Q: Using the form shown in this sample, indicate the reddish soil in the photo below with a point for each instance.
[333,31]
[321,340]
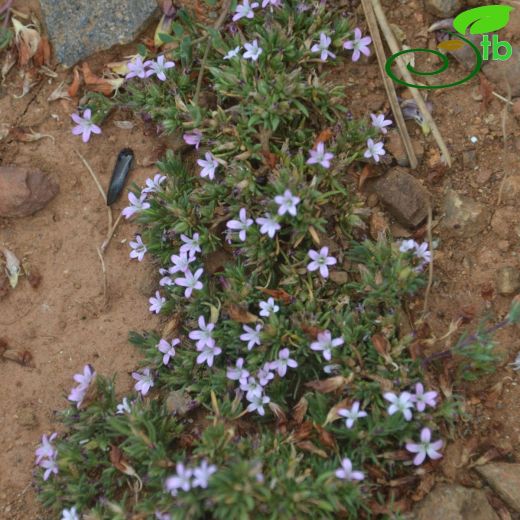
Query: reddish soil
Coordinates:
[65,324]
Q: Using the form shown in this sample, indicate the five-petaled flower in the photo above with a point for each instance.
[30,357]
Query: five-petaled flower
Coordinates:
[193,138]
[208,353]
[269,307]
[238,372]
[209,165]
[352,415]
[323,47]
[400,403]
[287,203]
[257,403]
[268,225]
[46,450]
[137,68]
[157,302]
[168,349]
[181,262]
[320,156]
[191,245]
[144,381]
[321,261]
[425,447]
[138,248]
[423,399]
[136,205]
[190,281]
[253,51]
[241,224]
[85,125]
[154,185]
[202,474]
[264,374]
[251,387]
[374,150]
[283,361]
[346,473]
[245,10]
[325,344]
[77,394]
[359,45]
[182,480]
[203,336]
[158,67]
[380,122]
[252,336]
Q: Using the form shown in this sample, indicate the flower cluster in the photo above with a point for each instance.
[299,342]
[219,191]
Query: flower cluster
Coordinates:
[46,455]
[187,478]
[77,394]
[138,69]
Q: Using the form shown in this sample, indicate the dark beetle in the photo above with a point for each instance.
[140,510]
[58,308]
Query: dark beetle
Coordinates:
[121,169]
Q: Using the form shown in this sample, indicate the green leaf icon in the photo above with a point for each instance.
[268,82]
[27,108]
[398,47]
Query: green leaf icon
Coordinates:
[485,19]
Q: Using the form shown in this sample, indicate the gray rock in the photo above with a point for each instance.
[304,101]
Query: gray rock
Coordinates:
[452,502]
[504,478]
[463,216]
[508,280]
[79,28]
[498,72]
[443,8]
[402,195]
[24,192]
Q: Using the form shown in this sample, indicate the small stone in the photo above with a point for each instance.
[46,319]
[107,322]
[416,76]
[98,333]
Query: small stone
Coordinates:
[469,159]
[504,478]
[511,190]
[24,192]
[339,277]
[463,216]
[403,195]
[394,145]
[502,72]
[443,8]
[79,29]
[453,502]
[508,280]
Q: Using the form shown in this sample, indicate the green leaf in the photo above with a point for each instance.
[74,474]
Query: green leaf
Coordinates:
[178,29]
[302,107]
[485,19]
[166,38]
[141,49]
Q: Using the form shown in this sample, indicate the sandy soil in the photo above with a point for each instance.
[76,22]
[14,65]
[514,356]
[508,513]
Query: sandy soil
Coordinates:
[64,322]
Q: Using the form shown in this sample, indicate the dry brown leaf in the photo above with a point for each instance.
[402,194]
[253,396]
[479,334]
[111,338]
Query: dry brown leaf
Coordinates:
[60,92]
[311,330]
[172,326]
[366,173]
[303,432]
[312,448]
[102,85]
[27,41]
[270,159]
[425,486]
[30,79]
[382,346]
[491,454]
[299,410]
[333,412]
[325,386]
[237,313]
[323,137]
[28,136]
[326,438]
[76,82]
[278,294]
[280,415]
[8,64]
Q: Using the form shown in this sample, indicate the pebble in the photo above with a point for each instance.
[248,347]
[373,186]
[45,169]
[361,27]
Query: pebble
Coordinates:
[443,8]
[508,280]
[464,217]
[504,478]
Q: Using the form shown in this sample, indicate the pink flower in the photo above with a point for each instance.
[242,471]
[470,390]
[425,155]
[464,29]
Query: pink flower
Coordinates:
[50,466]
[191,246]
[208,353]
[402,403]
[323,47]
[84,125]
[182,480]
[325,344]
[136,205]
[268,225]
[202,474]
[251,387]
[238,372]
[190,281]
[359,45]
[158,67]
[257,403]
[374,150]
[352,415]
[77,394]
[157,302]
[252,336]
[320,261]
[241,225]
[423,399]
[287,203]
[283,362]
[320,156]
[144,381]
[253,51]
[346,473]
[425,447]
[181,263]
[380,122]
[193,138]
[168,349]
[136,68]
[245,10]
[46,450]
[208,166]
[154,185]
[138,248]
[203,336]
